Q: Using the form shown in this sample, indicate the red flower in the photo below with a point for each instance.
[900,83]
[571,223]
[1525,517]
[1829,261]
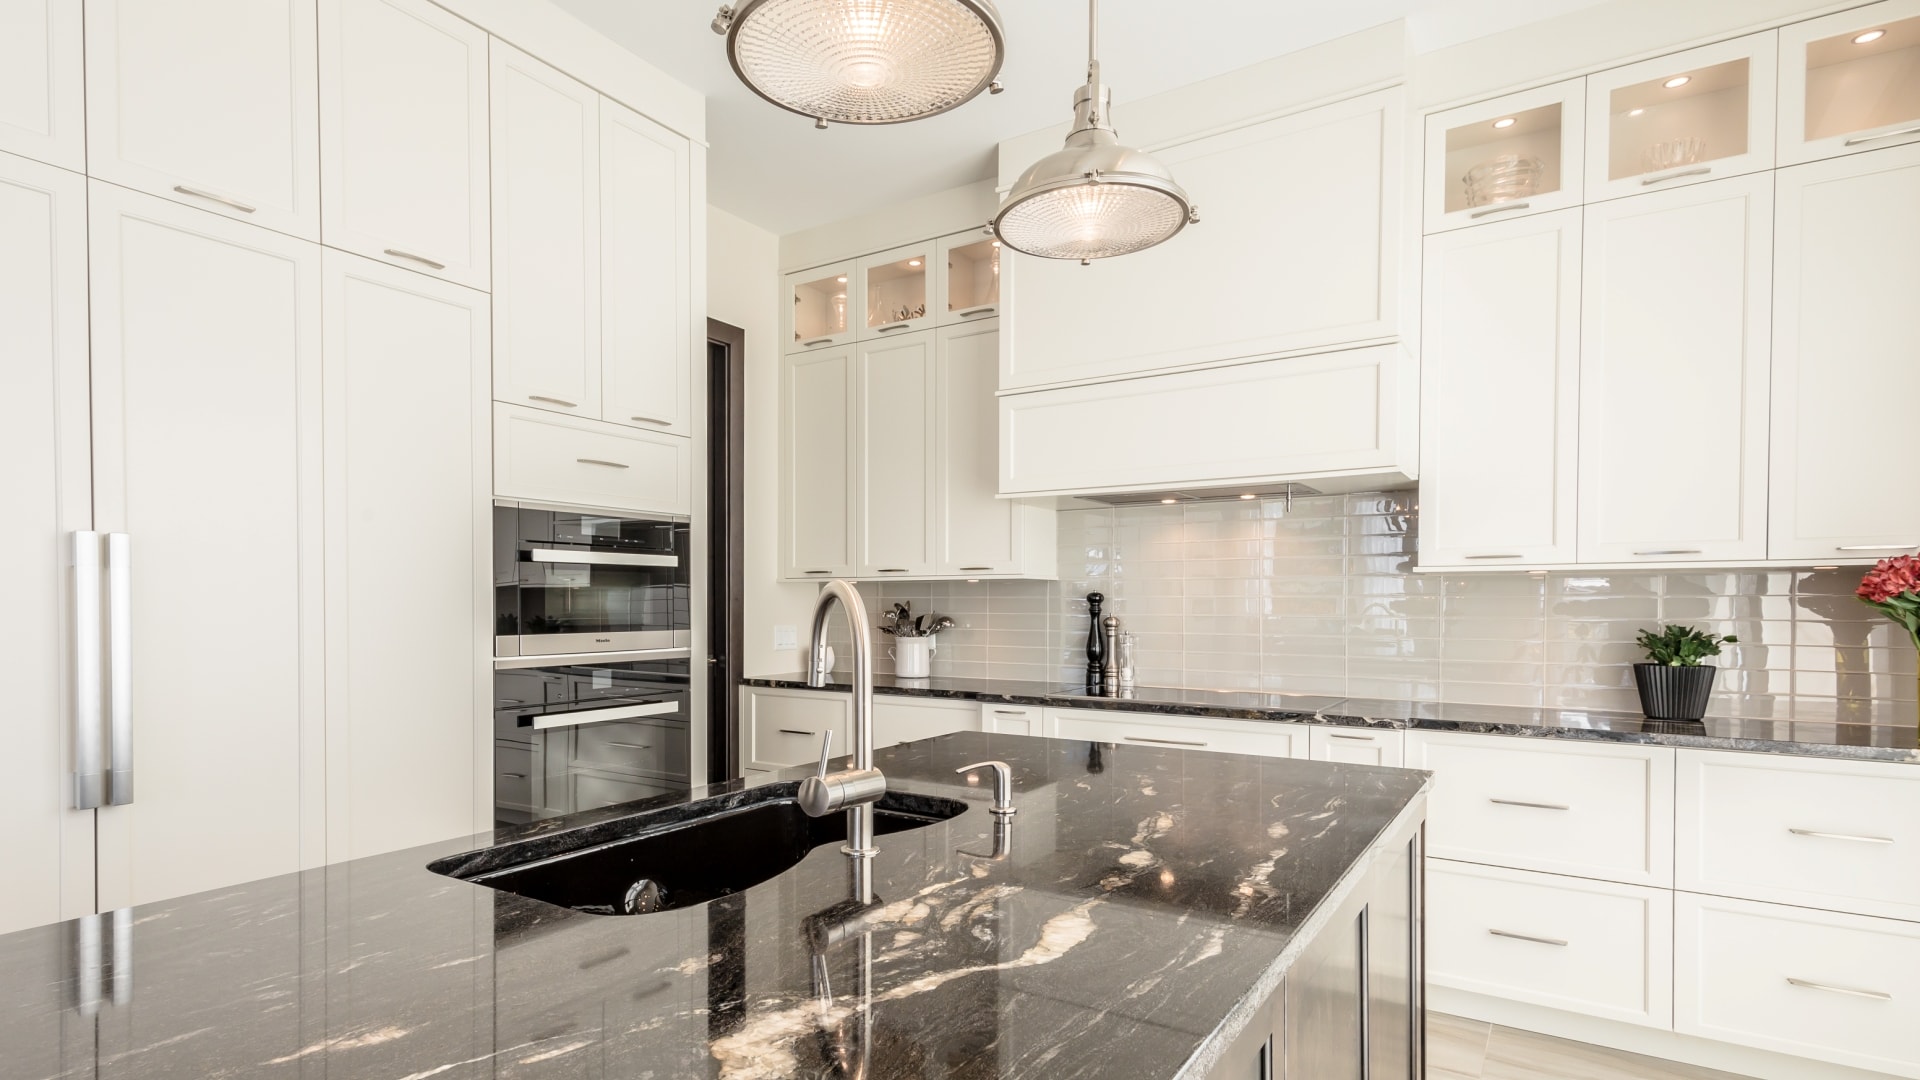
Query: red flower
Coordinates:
[1890,578]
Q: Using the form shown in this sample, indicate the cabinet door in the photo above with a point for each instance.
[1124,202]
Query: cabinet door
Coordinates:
[213,103]
[1512,156]
[895,292]
[408,520]
[816,461]
[817,312]
[403,136]
[1673,375]
[1326,1009]
[974,531]
[646,257]
[784,727]
[206,440]
[1688,118]
[42,88]
[1500,377]
[894,450]
[546,237]
[1850,82]
[45,487]
[969,278]
[1847,273]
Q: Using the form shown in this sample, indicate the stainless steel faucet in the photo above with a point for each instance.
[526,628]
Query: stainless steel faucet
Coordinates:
[854,790]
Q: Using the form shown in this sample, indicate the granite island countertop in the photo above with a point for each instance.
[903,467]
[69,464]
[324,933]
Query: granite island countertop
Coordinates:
[1152,899]
[1897,742]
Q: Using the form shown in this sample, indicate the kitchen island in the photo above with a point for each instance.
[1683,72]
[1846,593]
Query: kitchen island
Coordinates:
[1148,912]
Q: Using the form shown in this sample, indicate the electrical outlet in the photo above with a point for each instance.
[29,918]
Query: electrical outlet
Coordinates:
[786,637]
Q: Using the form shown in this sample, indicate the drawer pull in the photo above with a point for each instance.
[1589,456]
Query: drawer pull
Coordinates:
[1878,547]
[1496,556]
[1808,984]
[398,254]
[1701,171]
[819,571]
[893,569]
[790,731]
[1670,551]
[1509,207]
[1356,738]
[1842,836]
[1858,139]
[650,420]
[1163,742]
[631,745]
[975,569]
[212,197]
[600,461]
[1527,937]
[563,402]
[1530,805]
[1009,712]
[514,775]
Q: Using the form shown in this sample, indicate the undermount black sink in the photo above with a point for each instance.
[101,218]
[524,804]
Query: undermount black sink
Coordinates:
[683,857]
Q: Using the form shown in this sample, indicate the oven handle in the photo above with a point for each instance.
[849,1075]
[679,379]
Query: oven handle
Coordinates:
[598,558]
[599,716]
[547,660]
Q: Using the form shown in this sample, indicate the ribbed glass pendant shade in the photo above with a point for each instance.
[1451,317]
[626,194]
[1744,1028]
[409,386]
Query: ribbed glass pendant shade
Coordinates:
[865,61]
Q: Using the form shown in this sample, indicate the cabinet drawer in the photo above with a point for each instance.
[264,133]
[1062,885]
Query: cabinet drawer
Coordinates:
[1826,834]
[1587,809]
[659,747]
[513,775]
[591,791]
[1013,719]
[783,727]
[897,720]
[1591,947]
[1839,988]
[551,458]
[1218,736]
[1357,745]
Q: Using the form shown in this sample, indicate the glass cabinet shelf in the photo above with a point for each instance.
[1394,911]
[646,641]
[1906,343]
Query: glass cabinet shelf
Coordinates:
[1850,82]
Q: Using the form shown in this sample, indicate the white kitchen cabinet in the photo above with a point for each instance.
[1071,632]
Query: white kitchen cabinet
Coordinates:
[1296,251]
[817,313]
[1012,719]
[1847,270]
[906,719]
[580,462]
[1356,745]
[409,521]
[1500,379]
[546,236]
[403,136]
[45,487]
[206,400]
[1687,118]
[1675,330]
[969,264]
[782,728]
[1850,82]
[646,366]
[894,382]
[1837,988]
[816,463]
[42,82]
[975,532]
[1332,414]
[893,291]
[1179,733]
[212,103]
[1479,157]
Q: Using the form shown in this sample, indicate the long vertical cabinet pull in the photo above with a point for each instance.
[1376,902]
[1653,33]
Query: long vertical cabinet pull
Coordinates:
[89,771]
[120,669]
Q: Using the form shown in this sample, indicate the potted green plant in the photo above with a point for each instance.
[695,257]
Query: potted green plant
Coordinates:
[1675,683]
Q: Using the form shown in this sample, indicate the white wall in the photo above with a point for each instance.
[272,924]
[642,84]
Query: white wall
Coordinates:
[743,289]
[939,214]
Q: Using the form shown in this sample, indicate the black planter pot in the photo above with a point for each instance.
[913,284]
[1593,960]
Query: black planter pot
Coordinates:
[1674,693]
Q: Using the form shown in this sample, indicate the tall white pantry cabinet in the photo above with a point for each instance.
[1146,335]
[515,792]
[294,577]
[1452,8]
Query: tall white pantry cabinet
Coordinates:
[249,426]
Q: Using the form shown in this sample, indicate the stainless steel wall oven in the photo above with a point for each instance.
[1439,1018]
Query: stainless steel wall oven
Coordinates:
[573,582]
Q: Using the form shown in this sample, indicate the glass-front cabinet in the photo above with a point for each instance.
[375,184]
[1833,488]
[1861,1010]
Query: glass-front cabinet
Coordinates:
[1687,118]
[893,291]
[818,309]
[1850,82]
[1510,157]
[971,262]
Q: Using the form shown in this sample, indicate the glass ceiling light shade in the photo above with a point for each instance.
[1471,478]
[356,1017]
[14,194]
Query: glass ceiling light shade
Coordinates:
[1095,198]
[865,61]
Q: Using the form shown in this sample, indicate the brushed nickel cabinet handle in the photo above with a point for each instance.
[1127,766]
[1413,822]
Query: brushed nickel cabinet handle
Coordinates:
[514,775]
[816,341]
[975,569]
[1501,209]
[891,570]
[630,745]
[1700,171]
[1009,712]
[120,669]
[971,312]
[1809,984]
[1858,139]
[1530,805]
[819,571]
[1163,742]
[1496,556]
[554,401]
[1878,547]
[598,461]
[790,731]
[89,753]
[650,420]
[1842,836]
[1357,738]
[398,254]
[1526,937]
[1670,551]
[213,197]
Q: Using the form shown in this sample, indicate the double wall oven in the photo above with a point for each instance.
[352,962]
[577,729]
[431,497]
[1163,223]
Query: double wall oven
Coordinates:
[592,659]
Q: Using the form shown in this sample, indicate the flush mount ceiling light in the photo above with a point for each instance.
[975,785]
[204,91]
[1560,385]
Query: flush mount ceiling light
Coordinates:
[865,61]
[1095,198]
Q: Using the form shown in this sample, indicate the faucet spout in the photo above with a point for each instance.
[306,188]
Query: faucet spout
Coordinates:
[857,789]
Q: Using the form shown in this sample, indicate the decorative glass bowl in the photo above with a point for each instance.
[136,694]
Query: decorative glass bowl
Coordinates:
[1503,179]
[1673,153]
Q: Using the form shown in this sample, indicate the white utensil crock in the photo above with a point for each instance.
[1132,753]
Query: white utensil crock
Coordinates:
[912,657]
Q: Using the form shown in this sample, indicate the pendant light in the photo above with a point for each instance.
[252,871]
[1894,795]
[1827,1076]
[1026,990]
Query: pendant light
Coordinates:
[865,61]
[1095,198]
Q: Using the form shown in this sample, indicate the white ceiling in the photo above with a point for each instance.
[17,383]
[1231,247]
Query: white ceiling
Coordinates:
[774,169]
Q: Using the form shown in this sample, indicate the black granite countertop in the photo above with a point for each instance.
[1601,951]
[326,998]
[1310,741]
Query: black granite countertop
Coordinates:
[1806,738]
[1151,896]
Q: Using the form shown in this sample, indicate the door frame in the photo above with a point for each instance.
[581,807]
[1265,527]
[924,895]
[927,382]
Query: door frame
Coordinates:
[726,544]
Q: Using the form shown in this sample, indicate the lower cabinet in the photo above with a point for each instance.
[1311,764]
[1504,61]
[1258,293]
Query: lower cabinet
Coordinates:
[1181,733]
[1357,746]
[898,720]
[1013,719]
[783,728]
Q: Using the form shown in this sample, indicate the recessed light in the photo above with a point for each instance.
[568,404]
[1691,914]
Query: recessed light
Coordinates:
[1869,36]
[1168,502]
[913,262]
[973,581]
[996,243]
[1635,112]
[1504,122]
[842,279]
[1249,496]
[1677,81]
[1826,568]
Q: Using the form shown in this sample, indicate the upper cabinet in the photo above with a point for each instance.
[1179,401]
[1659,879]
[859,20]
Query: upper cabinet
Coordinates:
[894,448]
[171,82]
[646,238]
[1850,82]
[1517,155]
[971,263]
[893,290]
[403,136]
[42,89]
[816,463]
[546,237]
[1683,119]
[975,532]
[815,314]
[1296,251]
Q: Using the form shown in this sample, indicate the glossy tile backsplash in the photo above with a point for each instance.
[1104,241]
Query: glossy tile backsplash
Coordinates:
[1318,597]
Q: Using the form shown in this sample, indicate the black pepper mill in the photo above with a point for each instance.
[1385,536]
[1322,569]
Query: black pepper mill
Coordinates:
[1096,648]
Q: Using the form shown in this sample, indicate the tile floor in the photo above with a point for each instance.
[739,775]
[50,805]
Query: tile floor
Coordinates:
[1460,1049]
